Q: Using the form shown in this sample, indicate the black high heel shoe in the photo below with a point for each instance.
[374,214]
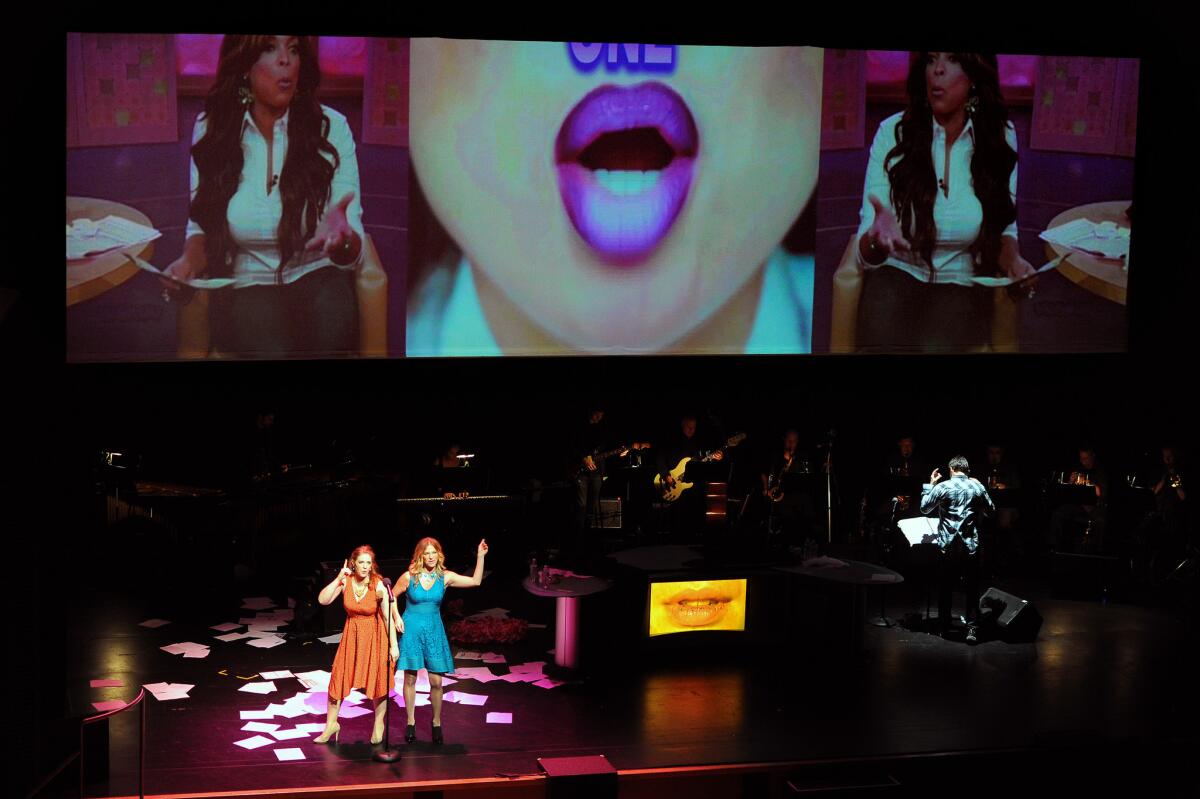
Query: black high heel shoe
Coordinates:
[437,733]
[410,733]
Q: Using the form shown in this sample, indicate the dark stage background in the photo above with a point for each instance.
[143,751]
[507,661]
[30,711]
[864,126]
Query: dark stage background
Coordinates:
[189,418]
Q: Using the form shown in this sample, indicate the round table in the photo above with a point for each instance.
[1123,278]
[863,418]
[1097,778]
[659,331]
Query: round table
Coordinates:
[1097,275]
[856,574]
[566,593]
[91,277]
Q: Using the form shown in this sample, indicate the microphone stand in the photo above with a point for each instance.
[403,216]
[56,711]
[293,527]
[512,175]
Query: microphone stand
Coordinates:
[387,754]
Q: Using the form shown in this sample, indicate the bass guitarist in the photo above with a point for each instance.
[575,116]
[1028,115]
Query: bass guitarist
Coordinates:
[686,520]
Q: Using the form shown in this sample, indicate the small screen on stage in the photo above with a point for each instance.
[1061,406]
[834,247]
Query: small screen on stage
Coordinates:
[686,607]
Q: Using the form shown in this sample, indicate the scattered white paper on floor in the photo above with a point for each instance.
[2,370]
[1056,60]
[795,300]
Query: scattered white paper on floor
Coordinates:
[494,659]
[185,647]
[332,639]
[258,687]
[257,603]
[548,683]
[311,726]
[276,675]
[468,656]
[256,714]
[290,735]
[111,704]
[531,666]
[224,628]
[499,718]
[461,698]
[227,637]
[266,643]
[255,742]
[352,711]
[314,680]
[197,653]
[478,673]
[289,754]
[259,726]
[106,684]
[153,623]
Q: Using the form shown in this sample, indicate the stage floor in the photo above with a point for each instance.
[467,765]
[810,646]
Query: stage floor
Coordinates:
[1100,676]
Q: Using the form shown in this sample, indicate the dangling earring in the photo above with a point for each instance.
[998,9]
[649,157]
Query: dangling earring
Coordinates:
[972,102]
[245,96]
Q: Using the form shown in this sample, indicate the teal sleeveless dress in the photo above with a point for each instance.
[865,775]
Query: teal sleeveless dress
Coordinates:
[424,644]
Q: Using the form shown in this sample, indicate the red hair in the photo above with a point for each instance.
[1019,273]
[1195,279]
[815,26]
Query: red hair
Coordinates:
[418,554]
[374,576]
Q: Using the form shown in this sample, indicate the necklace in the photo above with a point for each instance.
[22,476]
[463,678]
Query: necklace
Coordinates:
[432,578]
[358,595]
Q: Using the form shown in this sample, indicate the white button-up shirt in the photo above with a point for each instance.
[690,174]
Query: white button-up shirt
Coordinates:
[958,217]
[254,213]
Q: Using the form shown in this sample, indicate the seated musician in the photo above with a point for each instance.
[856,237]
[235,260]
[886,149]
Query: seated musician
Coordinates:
[447,479]
[1078,523]
[1001,476]
[792,508]
[900,482]
[1170,500]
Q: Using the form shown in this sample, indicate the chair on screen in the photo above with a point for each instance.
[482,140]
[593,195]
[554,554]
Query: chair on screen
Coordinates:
[195,336]
[847,287]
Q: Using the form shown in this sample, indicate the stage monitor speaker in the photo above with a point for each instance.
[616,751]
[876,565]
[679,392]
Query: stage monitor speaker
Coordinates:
[1015,618]
[334,615]
[588,777]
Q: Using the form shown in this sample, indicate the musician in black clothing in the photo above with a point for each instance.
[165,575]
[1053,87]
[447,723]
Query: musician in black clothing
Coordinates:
[1088,478]
[1170,500]
[591,442]
[899,485]
[687,512]
[791,511]
[1001,477]
[446,477]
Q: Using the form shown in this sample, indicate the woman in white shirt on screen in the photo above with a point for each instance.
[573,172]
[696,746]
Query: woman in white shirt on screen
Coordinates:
[939,209]
[274,188]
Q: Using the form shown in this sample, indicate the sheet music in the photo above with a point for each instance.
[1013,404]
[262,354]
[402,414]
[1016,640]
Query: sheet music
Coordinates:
[919,530]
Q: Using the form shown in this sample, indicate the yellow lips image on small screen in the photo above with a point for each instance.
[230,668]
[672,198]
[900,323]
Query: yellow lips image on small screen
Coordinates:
[702,605]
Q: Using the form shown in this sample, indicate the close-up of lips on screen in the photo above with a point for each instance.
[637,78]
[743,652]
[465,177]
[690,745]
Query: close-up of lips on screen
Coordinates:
[626,157]
[706,605]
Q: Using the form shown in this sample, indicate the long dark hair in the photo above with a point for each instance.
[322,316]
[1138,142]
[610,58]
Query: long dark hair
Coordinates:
[910,163]
[306,176]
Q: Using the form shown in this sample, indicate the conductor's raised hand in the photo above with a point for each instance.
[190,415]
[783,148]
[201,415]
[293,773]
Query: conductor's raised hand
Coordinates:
[885,231]
[483,548]
[935,476]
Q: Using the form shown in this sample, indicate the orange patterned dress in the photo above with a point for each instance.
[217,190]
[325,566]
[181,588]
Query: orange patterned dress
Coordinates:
[362,657]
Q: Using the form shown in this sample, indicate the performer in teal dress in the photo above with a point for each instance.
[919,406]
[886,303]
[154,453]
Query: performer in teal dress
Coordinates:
[423,644]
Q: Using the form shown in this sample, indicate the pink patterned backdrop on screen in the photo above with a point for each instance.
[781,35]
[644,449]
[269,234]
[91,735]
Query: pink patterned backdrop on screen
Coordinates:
[340,55]
[886,67]
[122,87]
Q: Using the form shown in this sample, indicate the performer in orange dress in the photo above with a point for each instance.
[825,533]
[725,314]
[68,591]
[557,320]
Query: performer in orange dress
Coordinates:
[367,654]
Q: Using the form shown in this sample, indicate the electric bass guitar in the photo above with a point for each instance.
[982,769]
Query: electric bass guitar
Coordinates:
[670,493]
[600,457]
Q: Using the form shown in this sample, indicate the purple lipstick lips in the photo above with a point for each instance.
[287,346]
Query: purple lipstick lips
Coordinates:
[625,157]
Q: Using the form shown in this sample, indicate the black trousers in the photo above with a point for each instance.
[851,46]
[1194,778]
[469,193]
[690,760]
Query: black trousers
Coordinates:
[587,504]
[898,313]
[315,317]
[958,566]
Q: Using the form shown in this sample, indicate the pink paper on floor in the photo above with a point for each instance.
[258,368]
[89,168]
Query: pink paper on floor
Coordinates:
[499,718]
[548,683]
[111,704]
[460,698]
[106,683]
[289,754]
[352,711]
[224,628]
[254,742]
[153,623]
[422,699]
